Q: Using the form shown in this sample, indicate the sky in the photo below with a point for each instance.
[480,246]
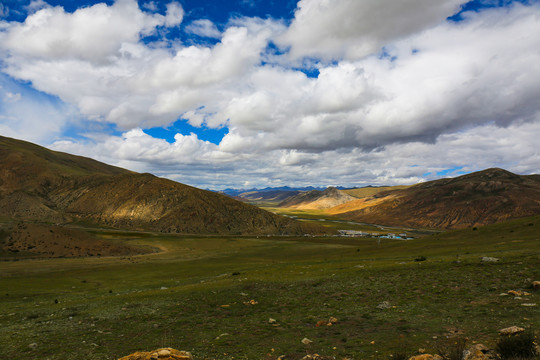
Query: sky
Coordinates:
[269,93]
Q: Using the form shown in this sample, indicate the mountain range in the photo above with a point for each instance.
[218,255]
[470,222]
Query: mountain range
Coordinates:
[478,198]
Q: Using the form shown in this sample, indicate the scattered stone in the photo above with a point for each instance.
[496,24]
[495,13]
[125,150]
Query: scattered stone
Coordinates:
[306,341]
[272,321]
[515,292]
[312,357]
[504,294]
[426,357]
[32,346]
[161,354]
[529,304]
[281,357]
[332,320]
[320,323]
[479,352]
[536,285]
[512,330]
[250,302]
[164,352]
[489,259]
[163,288]
[384,305]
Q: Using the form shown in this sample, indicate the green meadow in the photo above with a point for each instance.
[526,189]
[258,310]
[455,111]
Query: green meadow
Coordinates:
[232,297]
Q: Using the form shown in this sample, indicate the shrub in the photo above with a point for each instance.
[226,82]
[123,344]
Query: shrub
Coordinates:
[520,346]
[453,348]
[420,258]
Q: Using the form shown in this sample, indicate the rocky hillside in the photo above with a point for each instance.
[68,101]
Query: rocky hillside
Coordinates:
[479,198]
[37,184]
[317,200]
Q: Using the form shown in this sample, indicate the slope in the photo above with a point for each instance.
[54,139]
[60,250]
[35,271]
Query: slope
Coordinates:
[480,198]
[317,200]
[37,184]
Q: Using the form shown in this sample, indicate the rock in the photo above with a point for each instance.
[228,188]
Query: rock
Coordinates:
[272,321]
[479,352]
[164,352]
[384,305]
[332,320]
[515,292]
[32,346]
[160,354]
[529,304]
[320,323]
[489,259]
[426,357]
[306,341]
[312,357]
[512,330]
[536,285]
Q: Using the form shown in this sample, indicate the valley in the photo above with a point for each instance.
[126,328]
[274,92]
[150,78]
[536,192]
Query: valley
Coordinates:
[215,295]
[98,262]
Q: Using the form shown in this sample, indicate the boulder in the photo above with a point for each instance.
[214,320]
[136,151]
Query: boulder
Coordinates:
[426,357]
[489,259]
[159,354]
[384,305]
[512,330]
[479,352]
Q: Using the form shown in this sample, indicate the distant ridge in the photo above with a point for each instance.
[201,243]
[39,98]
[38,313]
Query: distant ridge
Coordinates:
[479,198]
[37,184]
[316,200]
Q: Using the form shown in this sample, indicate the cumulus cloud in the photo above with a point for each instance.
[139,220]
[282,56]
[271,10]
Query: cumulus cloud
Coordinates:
[94,34]
[204,28]
[352,29]
[435,97]
[29,115]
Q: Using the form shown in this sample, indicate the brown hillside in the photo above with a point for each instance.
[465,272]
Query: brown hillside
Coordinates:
[37,184]
[479,198]
[317,200]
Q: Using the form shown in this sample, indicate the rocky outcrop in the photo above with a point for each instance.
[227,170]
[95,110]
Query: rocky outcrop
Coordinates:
[159,354]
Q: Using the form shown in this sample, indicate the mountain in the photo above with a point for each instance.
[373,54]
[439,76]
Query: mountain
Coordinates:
[37,184]
[317,200]
[275,190]
[479,198]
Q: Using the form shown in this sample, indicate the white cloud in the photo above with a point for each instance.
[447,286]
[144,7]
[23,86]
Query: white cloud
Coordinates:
[443,95]
[204,28]
[94,34]
[174,14]
[333,29]
[29,115]
[36,5]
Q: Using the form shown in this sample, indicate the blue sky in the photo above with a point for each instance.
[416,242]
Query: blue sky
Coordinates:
[253,93]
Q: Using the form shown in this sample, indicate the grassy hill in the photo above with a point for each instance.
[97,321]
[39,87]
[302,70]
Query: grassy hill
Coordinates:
[37,184]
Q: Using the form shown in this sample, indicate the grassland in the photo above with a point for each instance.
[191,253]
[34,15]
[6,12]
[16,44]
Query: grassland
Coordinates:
[196,295]
[321,217]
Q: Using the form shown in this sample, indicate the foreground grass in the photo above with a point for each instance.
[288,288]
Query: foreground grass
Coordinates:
[197,294]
